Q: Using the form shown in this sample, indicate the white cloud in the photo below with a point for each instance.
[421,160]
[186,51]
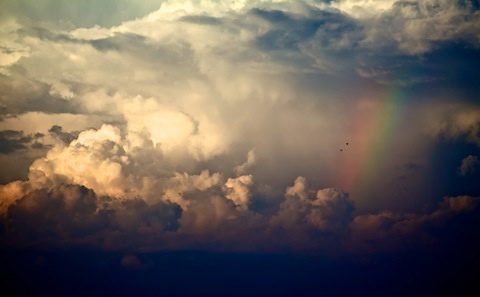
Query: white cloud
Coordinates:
[363,8]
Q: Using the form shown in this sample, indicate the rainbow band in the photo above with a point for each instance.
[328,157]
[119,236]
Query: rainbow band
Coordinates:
[374,131]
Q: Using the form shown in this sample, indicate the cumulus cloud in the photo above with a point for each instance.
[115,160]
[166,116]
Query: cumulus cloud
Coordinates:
[205,210]
[180,124]
[457,121]
[75,215]
[11,192]
[327,210]
[238,190]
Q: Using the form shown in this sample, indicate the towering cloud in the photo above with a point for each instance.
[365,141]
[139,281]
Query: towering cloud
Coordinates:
[196,124]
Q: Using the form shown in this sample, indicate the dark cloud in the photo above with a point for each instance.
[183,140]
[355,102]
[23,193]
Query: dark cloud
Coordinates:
[11,141]
[288,32]
[57,131]
[39,146]
[73,215]
[317,221]
[389,231]
[131,262]
[469,165]
[20,94]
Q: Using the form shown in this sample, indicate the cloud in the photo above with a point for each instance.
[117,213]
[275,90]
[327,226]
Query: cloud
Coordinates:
[204,212]
[147,117]
[66,137]
[244,167]
[74,215]
[131,262]
[326,210]
[52,216]
[405,24]
[95,159]
[11,141]
[389,230]
[238,190]
[469,165]
[457,122]
[10,193]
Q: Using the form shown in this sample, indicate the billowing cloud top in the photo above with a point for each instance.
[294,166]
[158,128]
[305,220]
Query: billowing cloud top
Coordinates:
[238,125]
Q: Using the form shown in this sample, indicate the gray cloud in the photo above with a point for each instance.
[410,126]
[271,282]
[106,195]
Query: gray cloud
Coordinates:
[75,215]
[12,141]
[72,215]
[66,137]
[20,94]
[387,231]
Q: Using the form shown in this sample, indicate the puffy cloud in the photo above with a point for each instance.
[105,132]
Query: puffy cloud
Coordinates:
[66,213]
[180,184]
[329,210]
[201,211]
[10,193]
[238,190]
[244,167]
[75,215]
[95,159]
[456,121]
[146,120]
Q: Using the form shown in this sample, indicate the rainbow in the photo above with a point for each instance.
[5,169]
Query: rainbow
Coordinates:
[374,126]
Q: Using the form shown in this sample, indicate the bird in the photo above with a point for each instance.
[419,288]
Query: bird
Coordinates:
[346,143]
[341,150]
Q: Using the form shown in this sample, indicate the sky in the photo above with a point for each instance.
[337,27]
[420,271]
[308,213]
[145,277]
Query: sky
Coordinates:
[316,136]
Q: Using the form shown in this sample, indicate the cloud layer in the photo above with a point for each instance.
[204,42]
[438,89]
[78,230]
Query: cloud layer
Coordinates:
[200,124]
